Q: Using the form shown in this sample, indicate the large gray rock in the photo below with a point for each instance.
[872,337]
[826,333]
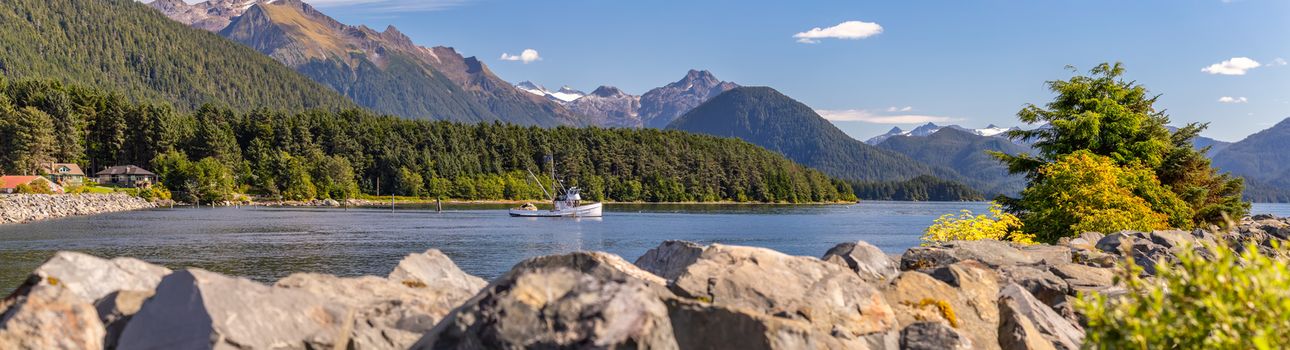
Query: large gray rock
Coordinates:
[1115,243]
[1016,332]
[1017,307]
[49,317]
[557,307]
[865,259]
[831,298]
[700,325]
[99,282]
[92,278]
[932,336]
[989,252]
[670,259]
[1093,257]
[1048,287]
[1142,247]
[197,309]
[1048,254]
[598,264]
[387,314]
[1173,238]
[963,297]
[116,310]
[435,270]
[1083,276]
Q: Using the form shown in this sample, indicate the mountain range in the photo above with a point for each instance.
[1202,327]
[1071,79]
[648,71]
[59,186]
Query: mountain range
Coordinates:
[967,153]
[931,128]
[1263,161]
[611,107]
[767,118]
[381,70]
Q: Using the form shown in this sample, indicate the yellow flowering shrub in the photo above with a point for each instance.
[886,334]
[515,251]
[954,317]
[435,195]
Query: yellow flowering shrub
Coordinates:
[967,226]
[1085,192]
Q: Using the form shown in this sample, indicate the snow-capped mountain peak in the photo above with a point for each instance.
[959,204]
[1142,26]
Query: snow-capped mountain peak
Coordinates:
[532,88]
[925,130]
[931,128]
[565,94]
[992,130]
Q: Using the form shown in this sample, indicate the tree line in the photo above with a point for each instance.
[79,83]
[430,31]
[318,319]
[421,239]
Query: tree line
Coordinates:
[215,152]
[921,188]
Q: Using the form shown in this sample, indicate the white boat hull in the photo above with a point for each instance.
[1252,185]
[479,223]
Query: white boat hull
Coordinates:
[582,211]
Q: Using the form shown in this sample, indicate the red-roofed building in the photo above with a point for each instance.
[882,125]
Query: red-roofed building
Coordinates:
[9,184]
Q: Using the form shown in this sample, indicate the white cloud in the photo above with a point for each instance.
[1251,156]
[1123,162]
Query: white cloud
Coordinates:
[529,55]
[860,115]
[1278,62]
[1234,66]
[850,30]
[900,109]
[1230,99]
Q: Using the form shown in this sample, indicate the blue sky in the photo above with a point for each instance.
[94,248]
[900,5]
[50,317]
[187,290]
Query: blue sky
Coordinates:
[961,62]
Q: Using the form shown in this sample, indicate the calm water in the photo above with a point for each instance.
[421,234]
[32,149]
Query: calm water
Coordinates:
[266,244]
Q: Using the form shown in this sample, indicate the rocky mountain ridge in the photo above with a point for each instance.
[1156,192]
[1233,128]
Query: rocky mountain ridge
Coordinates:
[381,70]
[212,15]
[614,108]
[660,106]
[609,106]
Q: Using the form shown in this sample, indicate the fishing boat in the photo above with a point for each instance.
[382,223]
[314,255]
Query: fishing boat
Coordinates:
[568,204]
[565,203]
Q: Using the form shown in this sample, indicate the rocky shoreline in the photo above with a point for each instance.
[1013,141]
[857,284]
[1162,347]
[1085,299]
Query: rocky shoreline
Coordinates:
[22,208]
[679,295]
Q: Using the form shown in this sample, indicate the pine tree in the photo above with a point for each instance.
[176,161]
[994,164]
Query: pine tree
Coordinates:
[1105,115]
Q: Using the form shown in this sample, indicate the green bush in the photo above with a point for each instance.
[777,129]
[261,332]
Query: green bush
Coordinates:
[35,187]
[1228,301]
[155,193]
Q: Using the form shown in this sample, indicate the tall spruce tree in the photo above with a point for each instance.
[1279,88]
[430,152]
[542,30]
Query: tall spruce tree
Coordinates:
[1105,115]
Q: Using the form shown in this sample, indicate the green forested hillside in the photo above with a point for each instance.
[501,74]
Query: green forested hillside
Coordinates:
[1263,160]
[769,119]
[967,154]
[215,151]
[126,47]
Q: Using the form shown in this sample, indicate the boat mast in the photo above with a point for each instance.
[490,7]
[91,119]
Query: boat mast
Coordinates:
[540,185]
[556,185]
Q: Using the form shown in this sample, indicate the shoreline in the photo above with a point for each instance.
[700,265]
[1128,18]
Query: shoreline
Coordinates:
[27,208]
[948,295]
